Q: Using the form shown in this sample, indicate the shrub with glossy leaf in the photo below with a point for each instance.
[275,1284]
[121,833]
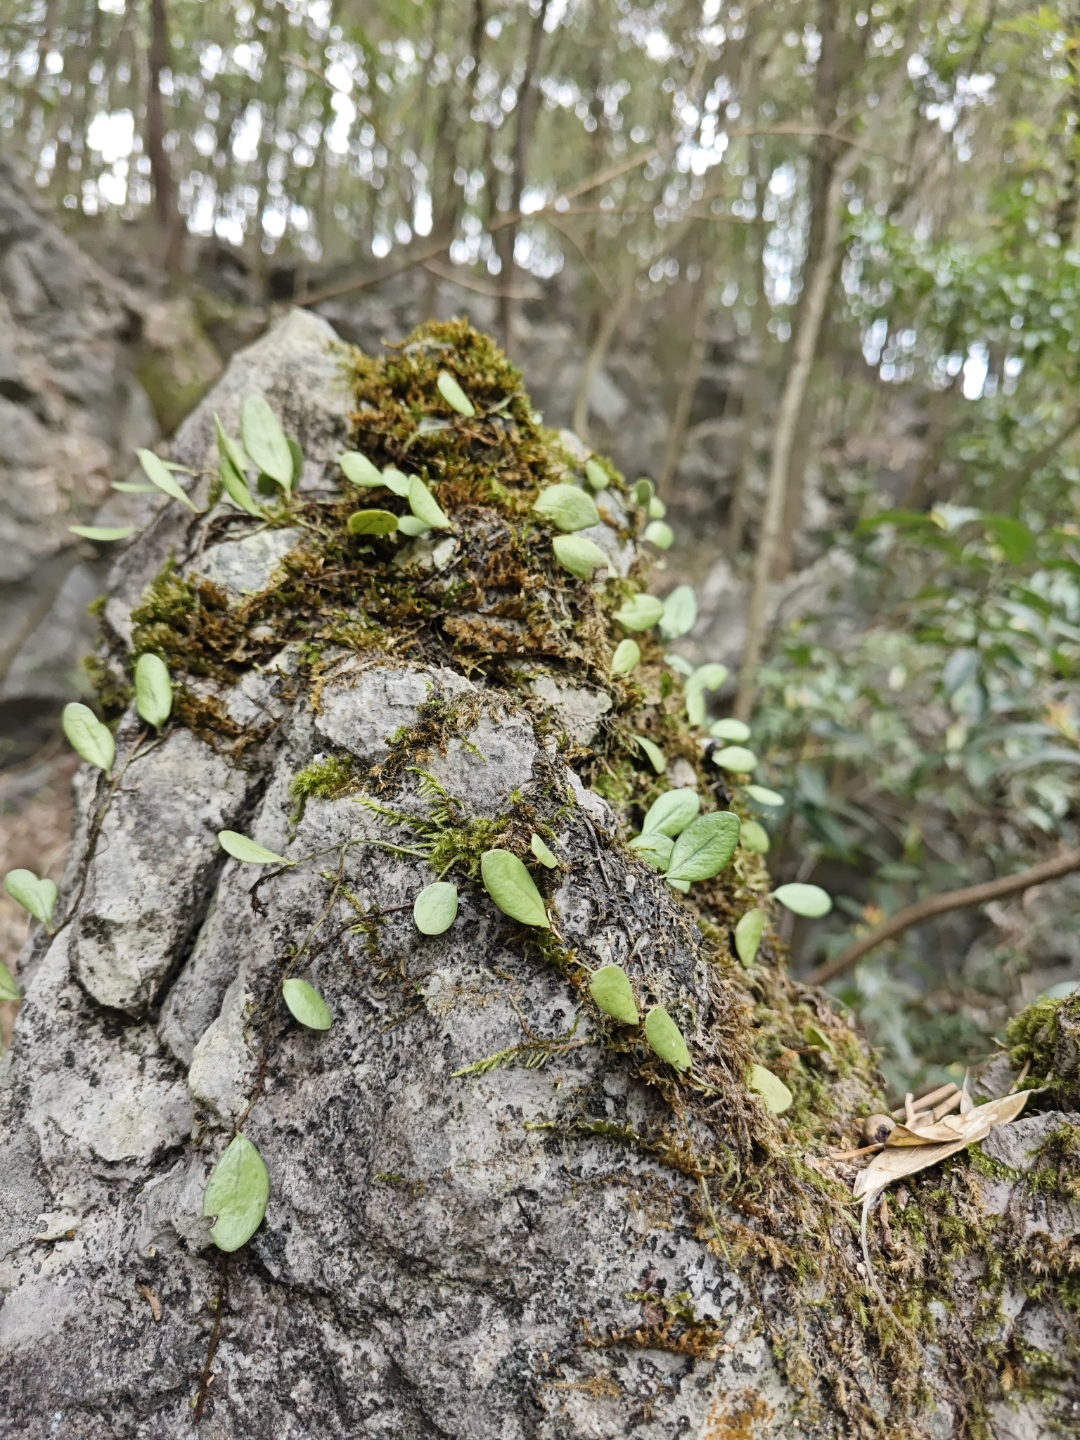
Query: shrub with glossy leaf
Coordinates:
[512,888]
[236,1195]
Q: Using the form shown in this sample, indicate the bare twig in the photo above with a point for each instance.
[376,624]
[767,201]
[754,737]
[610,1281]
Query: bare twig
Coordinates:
[1063,864]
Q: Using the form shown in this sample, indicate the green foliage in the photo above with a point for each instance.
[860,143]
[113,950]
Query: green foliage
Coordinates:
[89,738]
[666,1039]
[38,896]
[248,852]
[435,908]
[306,1004]
[610,988]
[512,888]
[237,1194]
[323,779]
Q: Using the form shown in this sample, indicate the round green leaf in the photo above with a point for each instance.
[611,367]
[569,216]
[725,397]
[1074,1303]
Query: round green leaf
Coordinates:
[640,612]
[734,730]
[660,534]
[610,988]
[807,900]
[754,837]
[359,470]
[578,555]
[644,490]
[435,908]
[265,442]
[306,1005]
[236,487]
[88,737]
[396,481]
[705,847]
[542,853]
[771,1088]
[763,795]
[103,532]
[666,1039]
[672,812]
[656,509]
[657,758]
[372,522]
[680,665]
[8,988]
[735,758]
[425,507]
[655,849]
[237,1194]
[707,677]
[627,657]
[680,612]
[250,852]
[567,507]
[37,896]
[511,887]
[454,395]
[596,475]
[748,933]
[159,476]
[153,690]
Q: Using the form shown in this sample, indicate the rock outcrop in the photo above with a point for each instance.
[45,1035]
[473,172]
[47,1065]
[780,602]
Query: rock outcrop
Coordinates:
[494,1212]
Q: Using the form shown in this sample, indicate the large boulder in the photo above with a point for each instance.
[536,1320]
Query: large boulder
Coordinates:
[494,1211]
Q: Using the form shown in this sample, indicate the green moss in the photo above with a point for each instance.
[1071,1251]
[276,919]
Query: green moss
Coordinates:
[324,779]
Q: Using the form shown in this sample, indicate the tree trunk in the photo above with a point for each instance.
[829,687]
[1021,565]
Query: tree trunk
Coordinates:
[495,1213]
[169,223]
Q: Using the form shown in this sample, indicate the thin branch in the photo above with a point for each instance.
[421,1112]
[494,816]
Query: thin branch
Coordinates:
[1063,864]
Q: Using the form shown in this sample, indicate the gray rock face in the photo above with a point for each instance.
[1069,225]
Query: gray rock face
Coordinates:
[451,1248]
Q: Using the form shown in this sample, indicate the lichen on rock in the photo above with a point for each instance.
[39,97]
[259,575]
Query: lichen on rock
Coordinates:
[495,1211]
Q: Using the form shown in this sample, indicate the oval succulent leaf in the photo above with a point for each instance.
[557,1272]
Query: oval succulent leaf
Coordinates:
[596,475]
[695,705]
[237,1194]
[249,852]
[37,896]
[153,690]
[736,731]
[815,1035]
[666,1039]
[542,853]
[163,479]
[567,507]
[511,887]
[771,1088]
[265,442]
[627,657]
[657,758]
[656,509]
[672,812]
[88,737]
[103,532]
[680,665]
[809,901]
[435,908]
[306,1004]
[236,487]
[578,555]
[372,522]
[764,796]
[640,612]
[754,837]
[735,758]
[680,612]
[707,677]
[410,525]
[660,534]
[359,470]
[748,933]
[655,849]
[8,988]
[425,507]
[397,481]
[705,847]
[454,395]
[644,490]
[610,988]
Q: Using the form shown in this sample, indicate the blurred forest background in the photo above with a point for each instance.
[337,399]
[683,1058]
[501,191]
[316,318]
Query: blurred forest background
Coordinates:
[812,266]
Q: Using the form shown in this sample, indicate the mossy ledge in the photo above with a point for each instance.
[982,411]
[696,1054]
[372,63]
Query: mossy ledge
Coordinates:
[763,1193]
